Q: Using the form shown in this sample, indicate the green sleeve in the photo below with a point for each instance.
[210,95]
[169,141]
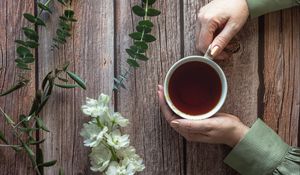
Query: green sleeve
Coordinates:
[262,152]
[260,7]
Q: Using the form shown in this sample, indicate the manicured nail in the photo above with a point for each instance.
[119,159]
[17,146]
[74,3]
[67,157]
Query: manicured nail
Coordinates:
[160,87]
[175,124]
[214,50]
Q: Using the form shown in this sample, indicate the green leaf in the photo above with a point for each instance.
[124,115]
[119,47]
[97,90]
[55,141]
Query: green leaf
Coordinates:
[133,63]
[48,164]
[146,23]
[62,79]
[141,57]
[21,42]
[22,51]
[32,44]
[136,35]
[77,79]
[61,171]
[141,44]
[131,53]
[29,17]
[138,10]
[72,19]
[28,60]
[153,12]
[31,34]
[69,13]
[28,150]
[7,117]
[40,159]
[23,66]
[43,7]
[41,124]
[137,49]
[67,86]
[36,142]
[24,122]
[40,22]
[150,2]
[143,28]
[14,87]
[149,38]
[65,66]
[64,25]
[3,138]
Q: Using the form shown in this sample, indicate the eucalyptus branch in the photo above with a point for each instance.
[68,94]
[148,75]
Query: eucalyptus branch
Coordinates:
[141,38]
[31,123]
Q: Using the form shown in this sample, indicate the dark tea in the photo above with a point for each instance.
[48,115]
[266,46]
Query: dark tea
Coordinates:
[195,88]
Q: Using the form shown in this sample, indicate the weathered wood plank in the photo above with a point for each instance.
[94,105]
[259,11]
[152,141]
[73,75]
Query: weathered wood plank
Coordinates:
[242,74]
[11,22]
[159,145]
[91,51]
[282,73]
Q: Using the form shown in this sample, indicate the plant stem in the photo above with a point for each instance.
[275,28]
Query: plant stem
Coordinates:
[2,145]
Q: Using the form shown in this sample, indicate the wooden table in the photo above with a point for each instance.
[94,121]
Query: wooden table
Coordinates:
[263,77]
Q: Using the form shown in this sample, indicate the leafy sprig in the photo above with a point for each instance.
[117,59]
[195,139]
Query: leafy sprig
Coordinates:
[64,26]
[31,123]
[141,38]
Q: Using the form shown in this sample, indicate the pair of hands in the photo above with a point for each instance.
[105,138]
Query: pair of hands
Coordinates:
[220,20]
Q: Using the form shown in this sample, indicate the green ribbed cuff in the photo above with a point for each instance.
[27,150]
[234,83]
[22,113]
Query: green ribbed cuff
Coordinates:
[260,7]
[259,152]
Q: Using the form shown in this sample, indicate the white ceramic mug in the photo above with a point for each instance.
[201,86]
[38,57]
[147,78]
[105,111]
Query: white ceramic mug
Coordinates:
[205,59]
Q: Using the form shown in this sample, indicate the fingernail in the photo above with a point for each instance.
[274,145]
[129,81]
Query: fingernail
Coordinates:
[214,50]
[160,87]
[174,124]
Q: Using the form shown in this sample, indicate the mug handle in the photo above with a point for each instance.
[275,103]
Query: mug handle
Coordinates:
[207,53]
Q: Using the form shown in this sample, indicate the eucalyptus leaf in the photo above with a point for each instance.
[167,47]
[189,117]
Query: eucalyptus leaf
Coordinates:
[146,23]
[21,42]
[138,10]
[40,22]
[22,51]
[28,150]
[36,142]
[48,164]
[131,53]
[41,124]
[32,44]
[149,38]
[62,79]
[61,172]
[28,60]
[143,28]
[43,7]
[133,63]
[153,12]
[2,137]
[22,66]
[7,117]
[77,79]
[40,159]
[14,87]
[29,17]
[141,44]
[137,49]
[62,2]
[31,34]
[69,13]
[67,86]
[136,35]
[141,57]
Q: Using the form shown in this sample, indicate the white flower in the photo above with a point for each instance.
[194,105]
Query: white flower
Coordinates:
[118,119]
[100,158]
[96,108]
[113,168]
[116,140]
[92,134]
[131,160]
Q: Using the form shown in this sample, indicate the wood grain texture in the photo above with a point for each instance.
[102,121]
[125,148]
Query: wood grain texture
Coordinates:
[160,146]
[91,52]
[242,75]
[11,22]
[282,73]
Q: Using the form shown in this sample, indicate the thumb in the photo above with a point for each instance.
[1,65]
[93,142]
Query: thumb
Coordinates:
[224,37]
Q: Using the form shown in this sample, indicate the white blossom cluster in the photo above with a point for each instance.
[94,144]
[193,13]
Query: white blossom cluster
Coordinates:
[111,152]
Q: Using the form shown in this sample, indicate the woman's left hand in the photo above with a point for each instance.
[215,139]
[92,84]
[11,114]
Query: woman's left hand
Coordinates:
[222,128]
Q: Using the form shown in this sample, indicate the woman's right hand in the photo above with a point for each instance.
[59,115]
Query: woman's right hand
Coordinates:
[220,20]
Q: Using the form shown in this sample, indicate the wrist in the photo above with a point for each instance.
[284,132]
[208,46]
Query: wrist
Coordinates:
[239,132]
